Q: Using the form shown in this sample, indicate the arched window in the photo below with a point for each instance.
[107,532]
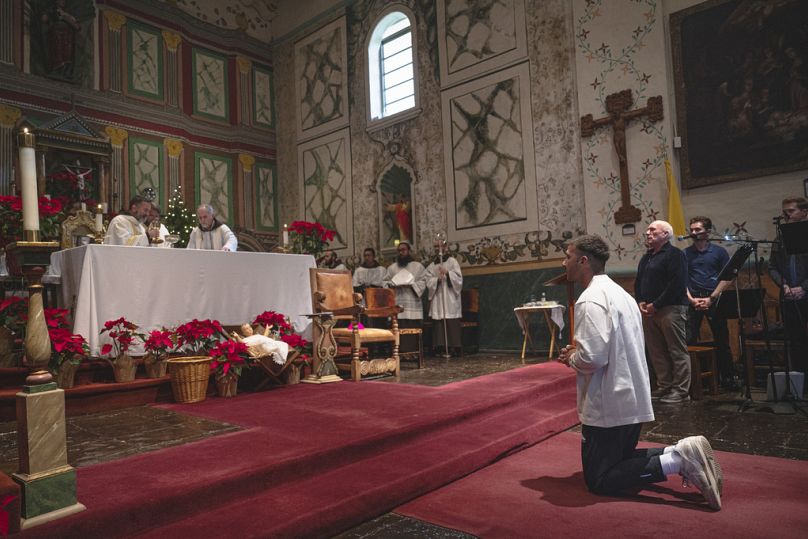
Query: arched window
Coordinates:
[392,77]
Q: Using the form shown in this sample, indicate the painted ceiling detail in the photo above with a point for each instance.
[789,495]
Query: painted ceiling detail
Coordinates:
[253,17]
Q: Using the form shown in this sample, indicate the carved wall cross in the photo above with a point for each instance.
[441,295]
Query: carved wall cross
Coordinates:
[617,105]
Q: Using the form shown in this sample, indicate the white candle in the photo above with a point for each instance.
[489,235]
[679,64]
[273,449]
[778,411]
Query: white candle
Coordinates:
[83,206]
[30,204]
[104,208]
[99,219]
[285,234]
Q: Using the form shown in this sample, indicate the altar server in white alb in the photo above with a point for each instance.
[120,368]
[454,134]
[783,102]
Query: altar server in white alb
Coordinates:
[127,228]
[369,273]
[444,281]
[211,234]
[405,276]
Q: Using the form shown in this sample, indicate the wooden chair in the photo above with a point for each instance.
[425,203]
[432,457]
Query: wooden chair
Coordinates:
[78,227]
[697,373]
[376,298]
[470,324]
[332,291]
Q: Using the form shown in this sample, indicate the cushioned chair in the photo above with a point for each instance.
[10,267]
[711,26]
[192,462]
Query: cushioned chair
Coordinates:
[381,298]
[332,291]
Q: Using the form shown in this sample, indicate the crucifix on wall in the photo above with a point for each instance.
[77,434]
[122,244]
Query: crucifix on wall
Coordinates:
[617,105]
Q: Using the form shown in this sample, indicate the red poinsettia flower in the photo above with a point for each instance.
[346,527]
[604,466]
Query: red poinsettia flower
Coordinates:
[122,332]
[271,319]
[159,341]
[199,335]
[229,355]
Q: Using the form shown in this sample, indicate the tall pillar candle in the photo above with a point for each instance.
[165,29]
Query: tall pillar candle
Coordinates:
[99,218]
[30,204]
[285,235]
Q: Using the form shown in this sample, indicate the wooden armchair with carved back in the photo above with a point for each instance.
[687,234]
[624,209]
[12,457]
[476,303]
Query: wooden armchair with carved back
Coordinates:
[332,291]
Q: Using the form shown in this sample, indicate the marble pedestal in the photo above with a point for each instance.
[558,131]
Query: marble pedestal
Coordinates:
[47,482]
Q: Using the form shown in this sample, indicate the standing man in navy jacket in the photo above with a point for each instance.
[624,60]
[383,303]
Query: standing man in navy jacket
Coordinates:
[661,291]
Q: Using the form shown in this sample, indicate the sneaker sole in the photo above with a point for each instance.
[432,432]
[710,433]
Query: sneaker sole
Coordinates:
[712,470]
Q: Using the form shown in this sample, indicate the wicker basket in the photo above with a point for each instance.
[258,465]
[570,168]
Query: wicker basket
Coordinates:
[189,377]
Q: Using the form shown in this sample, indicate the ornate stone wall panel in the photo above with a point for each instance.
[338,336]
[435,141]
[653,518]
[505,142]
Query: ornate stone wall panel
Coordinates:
[6,32]
[263,111]
[321,78]
[621,45]
[478,37]
[214,184]
[144,61]
[266,197]
[325,174]
[289,187]
[146,167]
[210,84]
[488,149]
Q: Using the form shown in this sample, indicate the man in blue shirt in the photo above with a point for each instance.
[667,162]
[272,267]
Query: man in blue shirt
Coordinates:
[704,263]
[661,291]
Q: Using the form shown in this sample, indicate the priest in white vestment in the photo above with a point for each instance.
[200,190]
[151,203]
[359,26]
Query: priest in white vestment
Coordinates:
[211,234]
[127,228]
[405,276]
[369,274]
[444,281]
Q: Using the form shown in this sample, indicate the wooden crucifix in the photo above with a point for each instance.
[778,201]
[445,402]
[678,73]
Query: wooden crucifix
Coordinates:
[617,105]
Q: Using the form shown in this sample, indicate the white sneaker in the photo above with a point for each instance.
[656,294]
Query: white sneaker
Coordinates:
[700,469]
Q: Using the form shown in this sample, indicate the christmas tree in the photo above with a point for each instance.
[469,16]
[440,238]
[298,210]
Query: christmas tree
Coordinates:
[179,220]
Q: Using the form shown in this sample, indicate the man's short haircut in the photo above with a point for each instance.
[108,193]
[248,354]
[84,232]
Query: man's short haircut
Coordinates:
[136,201]
[156,208]
[705,221]
[667,227]
[371,249]
[405,243]
[801,202]
[208,208]
[594,248]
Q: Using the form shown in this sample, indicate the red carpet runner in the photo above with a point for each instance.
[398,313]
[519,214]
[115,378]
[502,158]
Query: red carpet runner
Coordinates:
[316,460]
[542,488]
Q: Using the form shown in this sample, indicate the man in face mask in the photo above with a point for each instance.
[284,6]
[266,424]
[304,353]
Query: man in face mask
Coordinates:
[127,228]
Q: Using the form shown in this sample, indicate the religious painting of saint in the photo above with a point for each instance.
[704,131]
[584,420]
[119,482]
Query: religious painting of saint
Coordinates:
[395,195]
[62,40]
[741,89]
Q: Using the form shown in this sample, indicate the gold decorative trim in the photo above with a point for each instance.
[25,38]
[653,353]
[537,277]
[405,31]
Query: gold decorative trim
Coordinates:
[173,146]
[172,40]
[117,136]
[25,139]
[247,161]
[114,19]
[244,64]
[9,115]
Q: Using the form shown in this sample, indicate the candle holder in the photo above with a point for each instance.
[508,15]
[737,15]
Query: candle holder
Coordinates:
[30,259]
[101,233]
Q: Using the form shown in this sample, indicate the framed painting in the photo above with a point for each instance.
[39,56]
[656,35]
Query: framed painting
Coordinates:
[324,165]
[144,61]
[741,81]
[479,36]
[145,167]
[321,75]
[396,208]
[489,158]
[263,88]
[214,183]
[210,84]
[266,196]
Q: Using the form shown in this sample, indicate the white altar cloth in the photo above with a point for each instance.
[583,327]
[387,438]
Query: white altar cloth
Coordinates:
[166,287]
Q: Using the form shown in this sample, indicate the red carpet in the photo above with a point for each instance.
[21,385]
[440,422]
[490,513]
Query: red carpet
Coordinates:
[540,492]
[316,460]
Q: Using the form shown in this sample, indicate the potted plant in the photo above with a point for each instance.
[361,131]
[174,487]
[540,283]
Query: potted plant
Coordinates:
[310,238]
[228,359]
[158,344]
[190,373]
[50,213]
[123,333]
[301,348]
[13,313]
[69,350]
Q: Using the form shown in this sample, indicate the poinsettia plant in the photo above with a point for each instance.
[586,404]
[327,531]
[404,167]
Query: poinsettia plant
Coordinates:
[123,333]
[198,337]
[67,347]
[229,357]
[276,322]
[300,345]
[50,213]
[14,313]
[310,238]
[160,342]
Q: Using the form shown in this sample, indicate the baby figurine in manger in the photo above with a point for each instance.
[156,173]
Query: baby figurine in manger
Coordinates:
[261,344]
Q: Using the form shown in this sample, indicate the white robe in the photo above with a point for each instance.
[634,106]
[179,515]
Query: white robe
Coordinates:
[216,239]
[369,276]
[440,291]
[408,296]
[126,230]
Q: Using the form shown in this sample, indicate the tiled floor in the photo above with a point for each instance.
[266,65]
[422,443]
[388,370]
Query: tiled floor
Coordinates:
[757,430]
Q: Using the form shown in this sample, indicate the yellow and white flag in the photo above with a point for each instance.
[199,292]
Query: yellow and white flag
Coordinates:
[676,216]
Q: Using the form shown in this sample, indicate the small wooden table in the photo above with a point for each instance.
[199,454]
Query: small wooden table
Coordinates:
[553,317]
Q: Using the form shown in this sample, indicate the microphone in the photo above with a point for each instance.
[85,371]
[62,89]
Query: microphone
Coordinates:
[687,236]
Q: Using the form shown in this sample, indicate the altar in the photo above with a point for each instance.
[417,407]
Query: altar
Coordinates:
[166,287]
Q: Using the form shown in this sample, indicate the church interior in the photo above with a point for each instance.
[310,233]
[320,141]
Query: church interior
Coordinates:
[493,130]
